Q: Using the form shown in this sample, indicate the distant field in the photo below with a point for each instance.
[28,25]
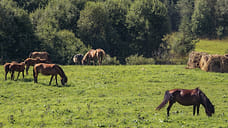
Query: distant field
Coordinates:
[213,46]
[111,96]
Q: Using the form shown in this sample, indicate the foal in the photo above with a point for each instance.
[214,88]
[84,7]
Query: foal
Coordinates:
[186,97]
[32,61]
[19,67]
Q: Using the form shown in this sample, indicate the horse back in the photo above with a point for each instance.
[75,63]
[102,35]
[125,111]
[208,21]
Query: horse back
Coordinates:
[46,69]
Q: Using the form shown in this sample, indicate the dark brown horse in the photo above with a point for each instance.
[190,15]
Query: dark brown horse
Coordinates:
[100,54]
[32,61]
[186,97]
[90,55]
[19,67]
[41,55]
[49,69]
[78,59]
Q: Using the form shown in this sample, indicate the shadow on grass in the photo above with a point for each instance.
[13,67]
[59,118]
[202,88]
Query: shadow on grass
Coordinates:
[54,85]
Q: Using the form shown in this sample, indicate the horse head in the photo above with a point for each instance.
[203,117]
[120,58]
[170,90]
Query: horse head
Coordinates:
[64,80]
[209,107]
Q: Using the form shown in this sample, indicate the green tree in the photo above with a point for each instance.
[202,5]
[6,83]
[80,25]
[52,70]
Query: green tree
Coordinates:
[56,26]
[93,25]
[31,5]
[117,34]
[221,8]
[203,18]
[17,37]
[147,23]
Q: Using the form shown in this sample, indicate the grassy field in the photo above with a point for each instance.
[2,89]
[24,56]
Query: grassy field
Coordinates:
[111,96]
[213,46]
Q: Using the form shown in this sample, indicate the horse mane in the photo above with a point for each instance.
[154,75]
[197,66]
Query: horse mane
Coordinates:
[61,72]
[206,102]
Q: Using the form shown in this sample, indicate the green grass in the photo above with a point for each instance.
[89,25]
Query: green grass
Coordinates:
[111,96]
[213,46]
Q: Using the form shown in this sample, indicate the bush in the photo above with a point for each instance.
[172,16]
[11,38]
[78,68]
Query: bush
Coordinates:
[108,60]
[138,60]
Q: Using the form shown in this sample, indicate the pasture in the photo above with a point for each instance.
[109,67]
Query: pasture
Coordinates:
[111,96]
[212,46]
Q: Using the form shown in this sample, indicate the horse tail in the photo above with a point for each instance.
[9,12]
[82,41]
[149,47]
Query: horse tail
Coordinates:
[30,54]
[165,101]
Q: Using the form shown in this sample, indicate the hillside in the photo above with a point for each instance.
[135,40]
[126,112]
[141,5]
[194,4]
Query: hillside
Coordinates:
[213,46]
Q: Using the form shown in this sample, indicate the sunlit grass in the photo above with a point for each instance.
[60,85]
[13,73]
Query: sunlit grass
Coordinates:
[213,46]
[111,96]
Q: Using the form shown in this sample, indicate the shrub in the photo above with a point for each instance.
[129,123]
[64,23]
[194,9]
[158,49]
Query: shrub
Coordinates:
[108,60]
[138,60]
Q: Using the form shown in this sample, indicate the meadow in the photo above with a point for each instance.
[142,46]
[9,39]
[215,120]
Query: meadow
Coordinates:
[111,96]
[213,46]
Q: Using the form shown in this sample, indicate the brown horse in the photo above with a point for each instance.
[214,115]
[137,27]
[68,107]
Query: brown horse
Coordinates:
[41,55]
[100,53]
[32,61]
[19,67]
[186,97]
[90,55]
[49,69]
[94,55]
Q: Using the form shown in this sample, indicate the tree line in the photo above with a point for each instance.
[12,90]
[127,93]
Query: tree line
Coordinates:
[160,29]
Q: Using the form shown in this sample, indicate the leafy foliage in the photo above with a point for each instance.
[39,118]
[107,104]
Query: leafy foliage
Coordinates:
[16,34]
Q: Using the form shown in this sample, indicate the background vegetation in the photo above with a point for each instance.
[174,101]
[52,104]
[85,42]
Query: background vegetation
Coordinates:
[160,29]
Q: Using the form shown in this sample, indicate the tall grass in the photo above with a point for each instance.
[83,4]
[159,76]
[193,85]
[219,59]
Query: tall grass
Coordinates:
[111,96]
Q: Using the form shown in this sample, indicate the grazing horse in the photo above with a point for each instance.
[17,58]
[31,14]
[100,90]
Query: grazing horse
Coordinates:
[90,55]
[100,53]
[41,55]
[32,61]
[49,69]
[186,97]
[19,67]
[78,59]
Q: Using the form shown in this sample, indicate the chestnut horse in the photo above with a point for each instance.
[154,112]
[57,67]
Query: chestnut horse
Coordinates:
[186,97]
[41,55]
[78,59]
[94,55]
[100,53]
[90,55]
[49,69]
[32,61]
[19,67]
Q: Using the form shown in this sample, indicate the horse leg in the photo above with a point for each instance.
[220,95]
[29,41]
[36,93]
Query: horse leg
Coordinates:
[198,106]
[23,74]
[56,80]
[27,68]
[169,107]
[35,75]
[194,109]
[18,75]
[6,75]
[12,75]
[51,79]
